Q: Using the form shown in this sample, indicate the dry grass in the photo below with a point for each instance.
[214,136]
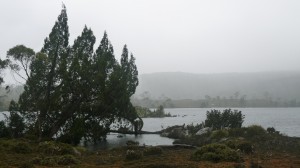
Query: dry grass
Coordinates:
[169,158]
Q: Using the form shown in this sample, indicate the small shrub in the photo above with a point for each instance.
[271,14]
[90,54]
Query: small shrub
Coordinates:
[231,144]
[67,160]
[133,155]
[132,143]
[255,130]
[152,151]
[26,165]
[219,134]
[193,129]
[227,118]
[54,148]
[22,147]
[237,132]
[4,131]
[49,161]
[215,153]
[245,147]
[271,130]
[210,156]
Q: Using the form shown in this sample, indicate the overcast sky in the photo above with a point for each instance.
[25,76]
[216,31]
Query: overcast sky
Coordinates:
[212,36]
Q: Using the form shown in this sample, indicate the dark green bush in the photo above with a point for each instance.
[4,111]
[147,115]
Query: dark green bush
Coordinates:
[4,131]
[237,132]
[193,129]
[219,134]
[216,153]
[133,154]
[210,156]
[55,148]
[152,151]
[55,160]
[227,118]
[22,147]
[271,130]
[245,147]
[67,160]
[231,144]
[49,161]
[132,143]
[255,130]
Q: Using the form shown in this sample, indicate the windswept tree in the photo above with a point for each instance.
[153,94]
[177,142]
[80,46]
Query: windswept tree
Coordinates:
[72,92]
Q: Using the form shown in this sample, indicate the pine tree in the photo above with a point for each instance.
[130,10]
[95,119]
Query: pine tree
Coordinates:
[74,92]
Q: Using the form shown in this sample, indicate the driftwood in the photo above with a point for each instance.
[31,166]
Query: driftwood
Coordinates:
[132,132]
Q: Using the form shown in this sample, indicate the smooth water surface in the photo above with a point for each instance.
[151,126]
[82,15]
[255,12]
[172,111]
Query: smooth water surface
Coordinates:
[285,120]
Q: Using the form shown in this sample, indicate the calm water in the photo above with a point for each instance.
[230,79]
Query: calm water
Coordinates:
[285,120]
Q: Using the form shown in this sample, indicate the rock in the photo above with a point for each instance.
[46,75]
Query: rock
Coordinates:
[204,130]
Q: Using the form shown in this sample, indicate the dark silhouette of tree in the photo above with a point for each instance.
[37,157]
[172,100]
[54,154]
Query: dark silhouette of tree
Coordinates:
[227,118]
[72,92]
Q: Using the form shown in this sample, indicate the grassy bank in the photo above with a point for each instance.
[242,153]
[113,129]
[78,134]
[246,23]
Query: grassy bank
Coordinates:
[27,154]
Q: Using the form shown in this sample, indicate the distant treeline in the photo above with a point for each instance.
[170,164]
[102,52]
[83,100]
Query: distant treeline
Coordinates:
[209,102]
[8,93]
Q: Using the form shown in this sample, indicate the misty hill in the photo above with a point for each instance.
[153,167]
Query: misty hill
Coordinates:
[179,85]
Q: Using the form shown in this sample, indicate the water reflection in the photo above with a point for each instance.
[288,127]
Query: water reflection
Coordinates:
[117,140]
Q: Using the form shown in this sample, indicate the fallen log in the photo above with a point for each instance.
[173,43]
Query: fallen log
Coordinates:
[138,132]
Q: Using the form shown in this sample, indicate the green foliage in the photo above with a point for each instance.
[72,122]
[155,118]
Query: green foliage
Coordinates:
[74,90]
[245,147]
[152,151]
[4,131]
[55,160]
[237,132]
[142,111]
[14,125]
[228,118]
[67,160]
[157,113]
[271,130]
[132,143]
[55,148]
[3,65]
[255,130]
[49,161]
[216,153]
[193,129]
[24,56]
[134,154]
[22,147]
[219,134]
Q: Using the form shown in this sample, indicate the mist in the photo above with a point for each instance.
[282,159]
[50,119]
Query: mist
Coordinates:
[172,35]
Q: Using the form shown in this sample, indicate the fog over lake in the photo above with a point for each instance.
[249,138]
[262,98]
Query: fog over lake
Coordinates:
[171,35]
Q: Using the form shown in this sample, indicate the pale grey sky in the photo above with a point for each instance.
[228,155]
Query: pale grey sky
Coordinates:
[212,36]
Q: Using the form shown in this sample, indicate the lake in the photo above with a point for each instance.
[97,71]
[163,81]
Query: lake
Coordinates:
[285,120]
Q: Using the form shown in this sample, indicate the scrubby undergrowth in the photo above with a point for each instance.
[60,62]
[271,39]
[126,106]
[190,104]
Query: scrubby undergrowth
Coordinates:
[25,153]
